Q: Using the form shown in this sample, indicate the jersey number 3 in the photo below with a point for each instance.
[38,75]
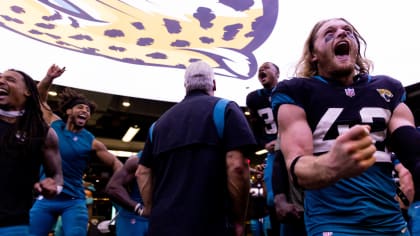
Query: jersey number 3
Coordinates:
[267,115]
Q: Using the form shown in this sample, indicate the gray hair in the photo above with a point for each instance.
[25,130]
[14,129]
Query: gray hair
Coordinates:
[199,76]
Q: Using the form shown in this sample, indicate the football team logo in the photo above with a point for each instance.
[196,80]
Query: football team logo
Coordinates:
[385,94]
[155,33]
[350,92]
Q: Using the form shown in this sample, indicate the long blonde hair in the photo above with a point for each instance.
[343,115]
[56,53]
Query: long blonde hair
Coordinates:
[307,68]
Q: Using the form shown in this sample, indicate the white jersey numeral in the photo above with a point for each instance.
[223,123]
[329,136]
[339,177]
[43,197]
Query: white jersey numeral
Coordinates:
[267,115]
[256,192]
[326,123]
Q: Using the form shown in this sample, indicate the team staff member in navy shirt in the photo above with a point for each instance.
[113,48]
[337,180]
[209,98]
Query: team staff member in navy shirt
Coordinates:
[335,123]
[192,181]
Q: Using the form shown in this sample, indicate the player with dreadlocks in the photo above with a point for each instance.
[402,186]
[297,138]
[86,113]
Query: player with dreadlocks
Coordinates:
[26,143]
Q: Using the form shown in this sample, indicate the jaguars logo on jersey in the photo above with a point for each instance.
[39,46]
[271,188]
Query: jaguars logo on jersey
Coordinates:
[385,94]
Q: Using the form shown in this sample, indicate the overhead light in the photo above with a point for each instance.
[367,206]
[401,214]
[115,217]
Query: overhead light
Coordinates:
[126,103]
[120,153]
[131,132]
[247,113]
[52,93]
[261,152]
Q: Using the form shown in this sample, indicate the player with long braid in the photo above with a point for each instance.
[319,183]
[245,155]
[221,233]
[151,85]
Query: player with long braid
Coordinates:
[26,143]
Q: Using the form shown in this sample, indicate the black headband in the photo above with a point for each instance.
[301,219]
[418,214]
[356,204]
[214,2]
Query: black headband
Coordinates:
[75,102]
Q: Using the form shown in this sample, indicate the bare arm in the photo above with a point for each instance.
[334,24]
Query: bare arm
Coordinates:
[350,154]
[144,181]
[52,165]
[120,180]
[43,87]
[270,146]
[401,116]
[406,181]
[105,156]
[238,187]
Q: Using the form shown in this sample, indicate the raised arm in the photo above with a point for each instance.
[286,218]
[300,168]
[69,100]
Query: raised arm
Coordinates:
[53,184]
[105,156]
[350,154]
[238,187]
[119,182]
[43,87]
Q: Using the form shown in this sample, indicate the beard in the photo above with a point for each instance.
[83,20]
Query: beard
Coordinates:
[78,123]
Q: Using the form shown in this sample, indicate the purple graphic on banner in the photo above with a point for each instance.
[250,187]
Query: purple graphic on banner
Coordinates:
[154,33]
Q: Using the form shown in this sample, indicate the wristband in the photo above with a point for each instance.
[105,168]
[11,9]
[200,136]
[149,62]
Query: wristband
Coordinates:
[59,189]
[138,209]
[292,171]
[394,159]
[404,141]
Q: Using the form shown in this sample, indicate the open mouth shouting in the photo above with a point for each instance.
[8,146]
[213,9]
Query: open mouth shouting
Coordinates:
[342,48]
